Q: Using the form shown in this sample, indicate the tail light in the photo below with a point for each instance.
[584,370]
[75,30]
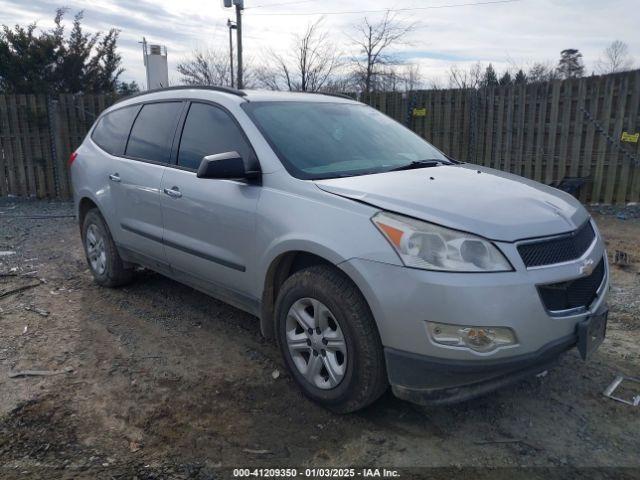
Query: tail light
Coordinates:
[72,157]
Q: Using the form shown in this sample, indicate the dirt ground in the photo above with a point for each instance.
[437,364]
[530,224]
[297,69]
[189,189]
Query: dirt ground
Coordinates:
[156,380]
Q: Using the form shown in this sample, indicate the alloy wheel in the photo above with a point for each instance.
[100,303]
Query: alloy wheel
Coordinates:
[316,343]
[96,249]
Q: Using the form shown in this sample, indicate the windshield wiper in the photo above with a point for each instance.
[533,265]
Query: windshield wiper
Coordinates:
[418,164]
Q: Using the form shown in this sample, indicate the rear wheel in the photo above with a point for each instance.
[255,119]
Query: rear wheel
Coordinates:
[329,340]
[103,258]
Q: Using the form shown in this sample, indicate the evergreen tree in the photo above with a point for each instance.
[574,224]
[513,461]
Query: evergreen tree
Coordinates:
[27,61]
[34,61]
[105,66]
[125,89]
[520,78]
[505,79]
[74,56]
[490,78]
[570,64]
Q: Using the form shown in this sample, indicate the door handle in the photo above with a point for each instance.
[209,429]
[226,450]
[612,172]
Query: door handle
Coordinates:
[114,177]
[173,192]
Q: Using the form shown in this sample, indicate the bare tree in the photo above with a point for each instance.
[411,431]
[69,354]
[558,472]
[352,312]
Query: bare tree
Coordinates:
[374,41]
[616,58]
[341,83]
[466,78]
[210,66]
[267,77]
[389,79]
[310,64]
[541,72]
[436,83]
[413,79]
[205,67]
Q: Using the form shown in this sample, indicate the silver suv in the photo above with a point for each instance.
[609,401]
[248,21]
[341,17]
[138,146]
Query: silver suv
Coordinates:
[370,256]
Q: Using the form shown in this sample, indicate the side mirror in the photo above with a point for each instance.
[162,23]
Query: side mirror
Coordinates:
[229,165]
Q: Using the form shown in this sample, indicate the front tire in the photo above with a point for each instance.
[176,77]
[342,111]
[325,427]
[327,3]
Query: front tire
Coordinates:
[329,340]
[104,261]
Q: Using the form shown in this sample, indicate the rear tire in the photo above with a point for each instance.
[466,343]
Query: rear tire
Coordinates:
[339,363]
[104,261]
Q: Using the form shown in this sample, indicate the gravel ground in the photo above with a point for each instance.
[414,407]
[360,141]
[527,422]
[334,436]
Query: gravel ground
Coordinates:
[156,380]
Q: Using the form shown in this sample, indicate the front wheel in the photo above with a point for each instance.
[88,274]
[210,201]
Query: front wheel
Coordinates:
[329,340]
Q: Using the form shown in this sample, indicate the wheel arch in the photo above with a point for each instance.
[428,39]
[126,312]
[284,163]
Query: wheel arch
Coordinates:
[84,205]
[280,269]
[86,202]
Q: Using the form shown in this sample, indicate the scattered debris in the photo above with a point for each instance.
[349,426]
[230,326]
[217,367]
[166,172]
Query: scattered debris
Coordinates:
[506,440]
[256,452]
[25,329]
[18,289]
[275,374]
[134,446]
[622,216]
[37,310]
[621,258]
[6,253]
[39,373]
[635,400]
[542,374]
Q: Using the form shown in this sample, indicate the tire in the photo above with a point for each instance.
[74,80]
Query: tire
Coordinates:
[108,270]
[342,310]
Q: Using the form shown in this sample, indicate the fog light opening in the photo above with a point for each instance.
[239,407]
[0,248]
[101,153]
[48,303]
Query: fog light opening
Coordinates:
[478,339]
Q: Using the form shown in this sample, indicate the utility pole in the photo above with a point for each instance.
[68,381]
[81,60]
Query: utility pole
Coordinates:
[239,4]
[239,7]
[231,26]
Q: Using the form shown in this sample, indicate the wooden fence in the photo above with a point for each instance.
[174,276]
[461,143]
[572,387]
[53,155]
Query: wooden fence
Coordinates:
[584,127]
[544,131]
[37,135]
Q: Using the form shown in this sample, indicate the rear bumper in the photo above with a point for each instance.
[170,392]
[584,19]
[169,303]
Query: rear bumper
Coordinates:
[436,381]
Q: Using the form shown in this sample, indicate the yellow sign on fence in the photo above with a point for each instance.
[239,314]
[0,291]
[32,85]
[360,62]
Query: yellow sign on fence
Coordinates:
[630,137]
[419,112]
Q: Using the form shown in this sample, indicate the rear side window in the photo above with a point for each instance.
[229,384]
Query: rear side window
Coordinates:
[209,130]
[153,130]
[113,129]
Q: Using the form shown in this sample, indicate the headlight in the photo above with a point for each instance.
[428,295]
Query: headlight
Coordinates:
[431,247]
[479,339]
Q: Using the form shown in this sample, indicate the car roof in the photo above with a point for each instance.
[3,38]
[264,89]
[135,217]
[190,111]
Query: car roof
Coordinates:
[217,93]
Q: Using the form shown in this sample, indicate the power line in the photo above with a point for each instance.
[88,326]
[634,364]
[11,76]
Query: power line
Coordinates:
[348,12]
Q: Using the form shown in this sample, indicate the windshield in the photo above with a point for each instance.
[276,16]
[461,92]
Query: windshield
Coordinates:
[325,140]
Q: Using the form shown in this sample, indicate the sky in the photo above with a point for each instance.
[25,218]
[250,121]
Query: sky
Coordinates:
[447,32]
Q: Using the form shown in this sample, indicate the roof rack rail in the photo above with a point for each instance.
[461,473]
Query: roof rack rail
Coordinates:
[339,95]
[230,90]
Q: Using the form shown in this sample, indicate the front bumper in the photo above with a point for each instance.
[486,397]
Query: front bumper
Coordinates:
[403,300]
[432,381]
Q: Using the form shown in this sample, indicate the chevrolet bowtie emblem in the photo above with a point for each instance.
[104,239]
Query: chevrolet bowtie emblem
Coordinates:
[587,267]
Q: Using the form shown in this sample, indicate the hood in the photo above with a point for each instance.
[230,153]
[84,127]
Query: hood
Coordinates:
[475,199]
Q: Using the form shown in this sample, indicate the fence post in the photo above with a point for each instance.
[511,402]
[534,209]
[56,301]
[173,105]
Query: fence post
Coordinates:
[55,142]
[473,124]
